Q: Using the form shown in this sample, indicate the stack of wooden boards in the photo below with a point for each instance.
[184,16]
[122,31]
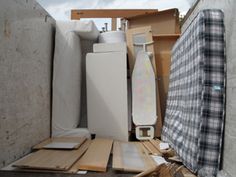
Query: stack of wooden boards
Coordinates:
[72,154]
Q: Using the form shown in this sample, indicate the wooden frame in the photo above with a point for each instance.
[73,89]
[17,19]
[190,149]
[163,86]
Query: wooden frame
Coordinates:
[77,14]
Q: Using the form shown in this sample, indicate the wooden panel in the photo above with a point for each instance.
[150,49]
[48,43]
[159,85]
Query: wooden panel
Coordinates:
[163,83]
[162,48]
[76,14]
[147,31]
[131,157]
[114,24]
[151,148]
[52,159]
[79,140]
[162,22]
[97,156]
[163,62]
[166,152]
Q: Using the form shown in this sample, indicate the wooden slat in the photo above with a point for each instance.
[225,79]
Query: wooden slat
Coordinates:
[51,159]
[97,156]
[147,31]
[162,22]
[73,169]
[151,149]
[150,171]
[79,140]
[166,152]
[131,157]
[114,24]
[76,14]
[162,48]
[166,36]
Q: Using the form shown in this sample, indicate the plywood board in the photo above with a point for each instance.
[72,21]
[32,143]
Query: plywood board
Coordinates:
[162,47]
[52,159]
[162,22]
[76,14]
[146,34]
[151,148]
[107,101]
[97,156]
[130,157]
[79,140]
[73,169]
[166,152]
[58,145]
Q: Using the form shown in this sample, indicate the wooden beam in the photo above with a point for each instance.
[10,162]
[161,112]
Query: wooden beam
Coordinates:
[113,24]
[76,14]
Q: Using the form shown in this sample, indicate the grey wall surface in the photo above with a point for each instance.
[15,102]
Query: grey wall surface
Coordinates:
[229,8]
[26,47]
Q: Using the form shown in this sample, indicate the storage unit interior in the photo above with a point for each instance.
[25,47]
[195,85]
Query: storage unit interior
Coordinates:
[27,34]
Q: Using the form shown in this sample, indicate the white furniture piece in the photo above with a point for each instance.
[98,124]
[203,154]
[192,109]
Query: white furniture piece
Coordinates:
[106,75]
[67,72]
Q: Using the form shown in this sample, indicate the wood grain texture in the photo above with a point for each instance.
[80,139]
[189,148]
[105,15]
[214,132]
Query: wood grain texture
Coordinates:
[131,157]
[79,140]
[60,160]
[76,14]
[147,31]
[97,156]
[151,148]
[162,22]
[166,152]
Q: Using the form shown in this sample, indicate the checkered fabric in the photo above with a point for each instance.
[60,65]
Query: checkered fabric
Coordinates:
[194,118]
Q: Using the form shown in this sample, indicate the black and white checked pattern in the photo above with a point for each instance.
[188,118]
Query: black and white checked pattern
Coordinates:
[195,107]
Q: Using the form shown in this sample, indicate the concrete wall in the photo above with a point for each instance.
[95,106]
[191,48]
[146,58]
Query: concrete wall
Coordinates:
[229,8]
[26,43]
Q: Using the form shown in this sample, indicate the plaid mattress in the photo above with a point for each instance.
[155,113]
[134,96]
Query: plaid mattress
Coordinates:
[194,118]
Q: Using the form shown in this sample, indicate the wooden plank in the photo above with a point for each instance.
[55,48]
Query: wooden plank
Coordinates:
[150,171]
[166,152]
[151,149]
[166,36]
[76,14]
[97,156]
[73,169]
[131,157]
[114,24]
[60,160]
[162,22]
[79,140]
[147,32]
[162,48]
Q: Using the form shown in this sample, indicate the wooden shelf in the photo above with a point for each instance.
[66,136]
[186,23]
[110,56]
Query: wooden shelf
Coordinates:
[167,36]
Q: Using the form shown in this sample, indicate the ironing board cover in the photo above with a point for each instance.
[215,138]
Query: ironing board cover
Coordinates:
[143,91]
